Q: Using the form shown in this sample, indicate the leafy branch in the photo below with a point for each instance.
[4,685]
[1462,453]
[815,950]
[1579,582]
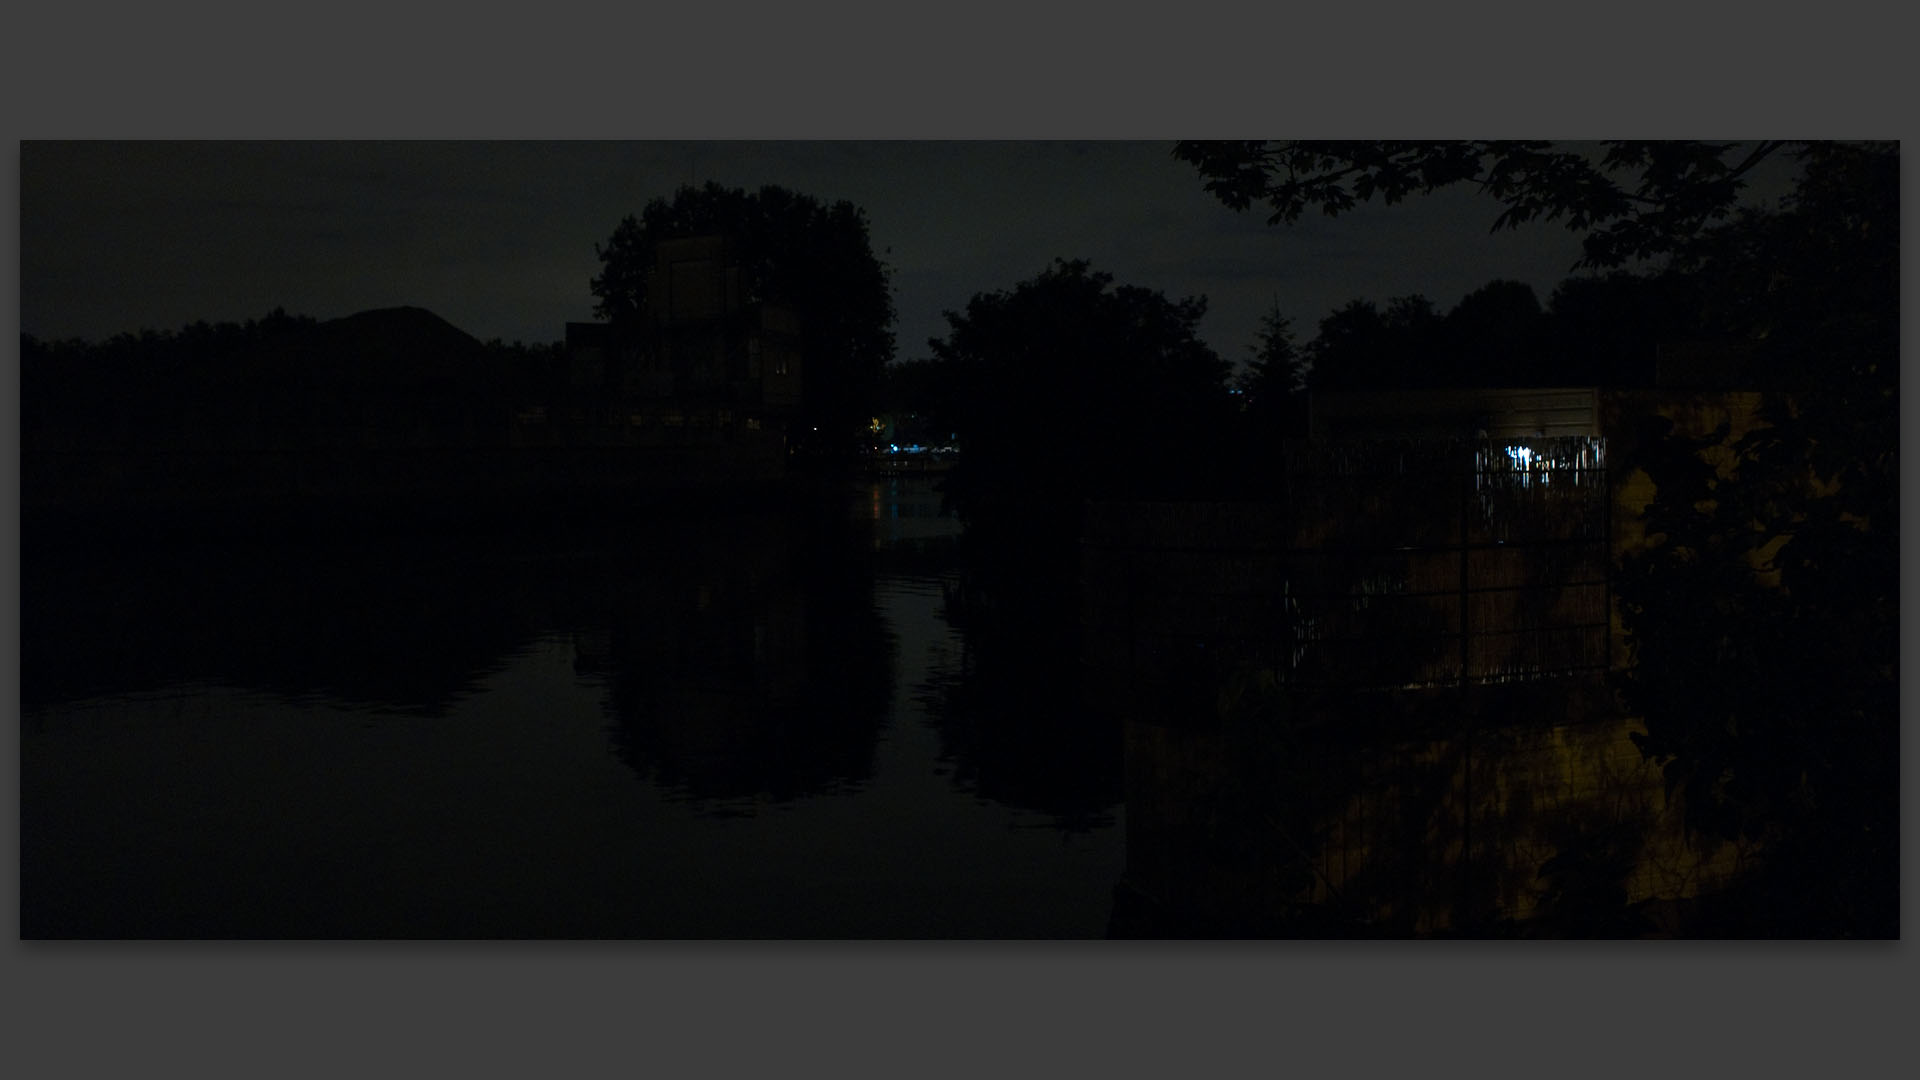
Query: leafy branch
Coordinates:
[1639,200]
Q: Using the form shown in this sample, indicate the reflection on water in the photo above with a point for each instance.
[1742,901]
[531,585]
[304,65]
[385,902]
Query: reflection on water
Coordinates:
[759,667]
[748,723]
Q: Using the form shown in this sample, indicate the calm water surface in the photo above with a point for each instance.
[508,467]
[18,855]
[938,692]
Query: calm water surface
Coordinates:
[743,723]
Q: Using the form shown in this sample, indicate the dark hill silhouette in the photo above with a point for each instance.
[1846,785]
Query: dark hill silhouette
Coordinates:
[396,347]
[387,347]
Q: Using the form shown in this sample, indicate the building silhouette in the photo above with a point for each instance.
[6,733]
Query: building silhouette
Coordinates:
[702,371]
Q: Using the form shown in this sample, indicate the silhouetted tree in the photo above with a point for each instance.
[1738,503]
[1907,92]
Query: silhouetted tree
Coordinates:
[1276,375]
[791,249]
[1605,330]
[1344,351]
[154,387]
[912,385]
[911,394]
[1413,325]
[1601,331]
[1638,200]
[1067,387]
[1495,336]
[1360,347]
[1772,703]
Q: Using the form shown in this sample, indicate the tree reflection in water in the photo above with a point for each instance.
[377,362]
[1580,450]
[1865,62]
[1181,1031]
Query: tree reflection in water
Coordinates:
[1011,717]
[745,659]
[554,733]
[1013,729]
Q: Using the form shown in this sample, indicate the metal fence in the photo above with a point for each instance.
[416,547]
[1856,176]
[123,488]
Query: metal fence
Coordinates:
[1379,565]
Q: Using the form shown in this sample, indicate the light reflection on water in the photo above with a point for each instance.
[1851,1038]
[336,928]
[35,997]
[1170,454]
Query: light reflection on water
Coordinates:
[723,729]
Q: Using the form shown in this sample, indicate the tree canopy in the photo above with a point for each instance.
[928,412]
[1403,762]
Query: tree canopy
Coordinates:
[1493,337]
[1595,330]
[791,249]
[1762,620]
[1637,200]
[1068,387]
[1360,346]
[1276,375]
[1606,329]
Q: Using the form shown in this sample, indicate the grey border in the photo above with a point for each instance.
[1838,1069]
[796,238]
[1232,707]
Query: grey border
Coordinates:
[1015,71]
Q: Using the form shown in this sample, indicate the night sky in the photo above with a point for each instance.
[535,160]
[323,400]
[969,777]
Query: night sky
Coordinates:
[498,237]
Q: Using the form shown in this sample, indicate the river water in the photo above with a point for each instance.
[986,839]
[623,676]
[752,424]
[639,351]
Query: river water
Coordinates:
[739,722]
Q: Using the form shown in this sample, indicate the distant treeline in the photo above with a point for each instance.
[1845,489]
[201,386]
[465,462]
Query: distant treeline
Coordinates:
[1594,330]
[286,424]
[400,374]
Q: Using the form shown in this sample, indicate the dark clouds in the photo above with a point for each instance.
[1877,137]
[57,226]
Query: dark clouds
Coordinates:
[499,237]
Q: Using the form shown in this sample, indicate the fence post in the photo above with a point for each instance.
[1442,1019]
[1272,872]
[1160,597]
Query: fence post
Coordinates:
[1466,712]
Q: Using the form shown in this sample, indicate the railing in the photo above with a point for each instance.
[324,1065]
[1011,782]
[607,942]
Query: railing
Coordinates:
[1474,573]
[1385,565]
